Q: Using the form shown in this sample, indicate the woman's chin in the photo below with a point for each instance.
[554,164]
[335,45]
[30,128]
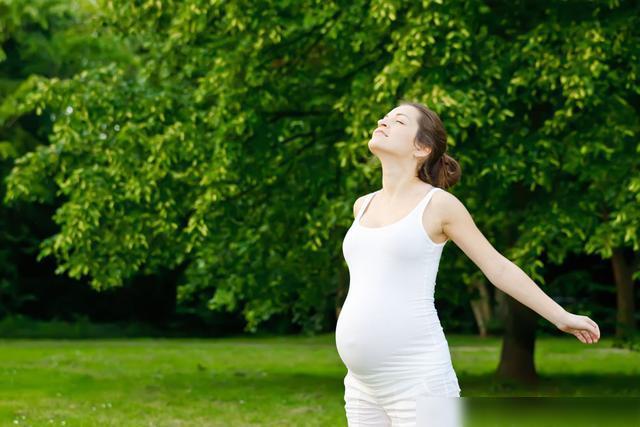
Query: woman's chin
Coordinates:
[378,148]
[378,139]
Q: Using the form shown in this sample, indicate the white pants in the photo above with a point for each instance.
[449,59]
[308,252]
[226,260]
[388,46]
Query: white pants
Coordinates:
[419,407]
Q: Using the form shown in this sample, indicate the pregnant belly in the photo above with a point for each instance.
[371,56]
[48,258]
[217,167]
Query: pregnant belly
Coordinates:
[369,332]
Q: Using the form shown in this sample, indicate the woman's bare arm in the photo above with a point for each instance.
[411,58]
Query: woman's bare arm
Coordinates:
[459,226]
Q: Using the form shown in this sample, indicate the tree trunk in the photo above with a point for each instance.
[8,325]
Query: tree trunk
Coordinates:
[622,272]
[481,307]
[516,358]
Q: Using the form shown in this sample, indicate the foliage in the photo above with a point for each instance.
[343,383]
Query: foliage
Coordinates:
[227,136]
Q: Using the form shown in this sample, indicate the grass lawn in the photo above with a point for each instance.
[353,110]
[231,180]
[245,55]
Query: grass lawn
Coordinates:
[275,381]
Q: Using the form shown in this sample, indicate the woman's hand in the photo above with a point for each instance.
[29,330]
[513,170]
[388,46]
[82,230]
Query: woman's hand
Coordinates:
[585,329]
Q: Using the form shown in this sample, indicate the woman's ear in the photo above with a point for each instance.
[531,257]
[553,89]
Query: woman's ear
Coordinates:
[422,154]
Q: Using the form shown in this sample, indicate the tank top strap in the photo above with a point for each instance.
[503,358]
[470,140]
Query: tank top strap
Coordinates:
[425,201]
[367,199]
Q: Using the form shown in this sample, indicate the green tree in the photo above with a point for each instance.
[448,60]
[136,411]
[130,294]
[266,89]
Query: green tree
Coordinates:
[229,143]
[48,38]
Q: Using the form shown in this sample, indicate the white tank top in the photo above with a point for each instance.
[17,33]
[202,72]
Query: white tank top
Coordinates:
[388,323]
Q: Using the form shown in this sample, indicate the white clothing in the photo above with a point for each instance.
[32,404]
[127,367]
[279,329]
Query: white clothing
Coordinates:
[388,333]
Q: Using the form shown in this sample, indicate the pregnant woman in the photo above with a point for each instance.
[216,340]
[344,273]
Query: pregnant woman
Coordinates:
[388,333]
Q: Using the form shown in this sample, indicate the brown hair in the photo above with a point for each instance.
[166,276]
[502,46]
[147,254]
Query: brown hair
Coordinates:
[440,169]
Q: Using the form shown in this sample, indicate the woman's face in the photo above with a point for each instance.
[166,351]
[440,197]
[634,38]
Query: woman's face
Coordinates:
[396,132]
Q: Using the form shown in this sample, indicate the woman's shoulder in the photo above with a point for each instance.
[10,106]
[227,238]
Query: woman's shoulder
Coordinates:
[359,202]
[447,203]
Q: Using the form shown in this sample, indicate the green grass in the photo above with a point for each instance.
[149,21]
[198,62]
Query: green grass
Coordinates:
[274,381]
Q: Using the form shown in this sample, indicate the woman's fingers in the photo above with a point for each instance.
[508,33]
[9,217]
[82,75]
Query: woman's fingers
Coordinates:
[590,337]
[595,329]
[586,336]
[580,336]
[584,328]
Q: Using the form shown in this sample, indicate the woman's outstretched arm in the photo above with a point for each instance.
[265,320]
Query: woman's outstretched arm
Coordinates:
[459,226]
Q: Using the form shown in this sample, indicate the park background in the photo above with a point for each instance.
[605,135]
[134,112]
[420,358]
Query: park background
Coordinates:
[178,177]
